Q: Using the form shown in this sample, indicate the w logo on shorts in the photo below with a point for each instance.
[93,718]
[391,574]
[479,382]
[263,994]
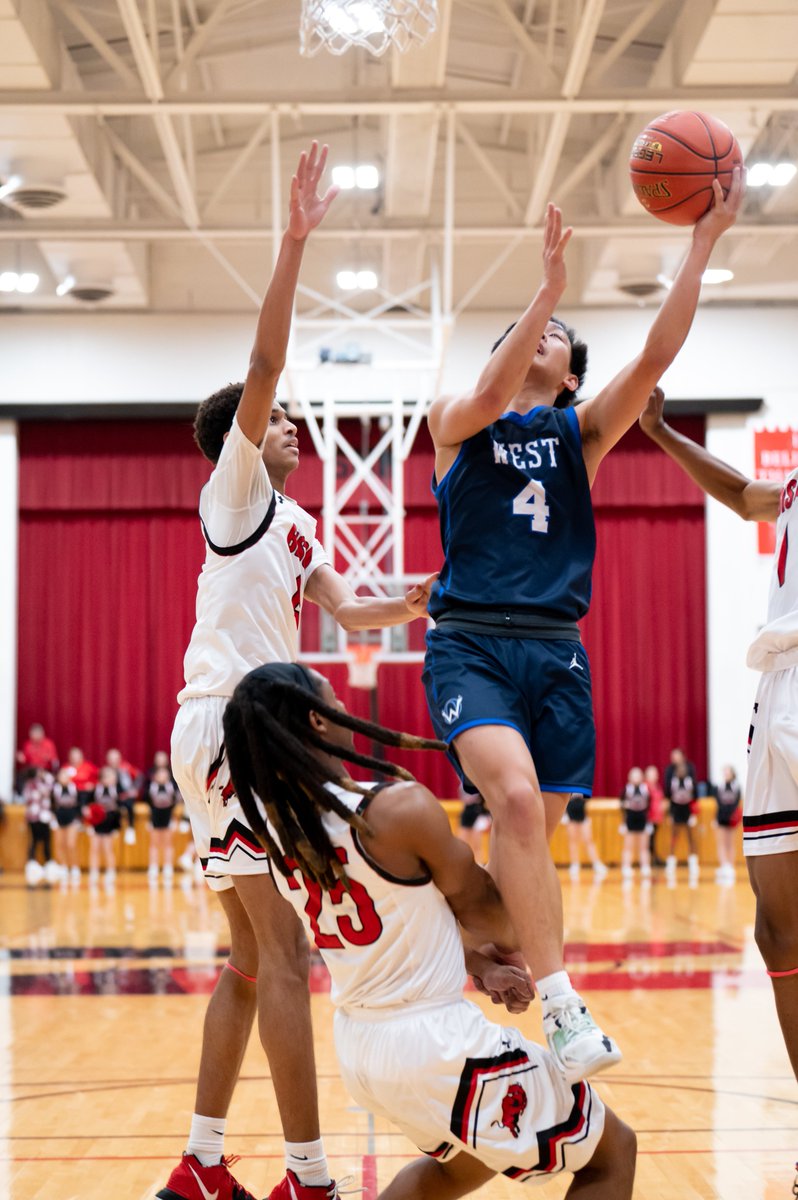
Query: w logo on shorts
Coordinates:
[452,709]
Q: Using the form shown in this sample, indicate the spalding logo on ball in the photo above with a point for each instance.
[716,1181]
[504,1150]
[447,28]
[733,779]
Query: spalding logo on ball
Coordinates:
[674,161]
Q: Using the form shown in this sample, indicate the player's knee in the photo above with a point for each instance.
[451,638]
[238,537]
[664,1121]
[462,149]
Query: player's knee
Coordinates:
[776,938]
[519,811]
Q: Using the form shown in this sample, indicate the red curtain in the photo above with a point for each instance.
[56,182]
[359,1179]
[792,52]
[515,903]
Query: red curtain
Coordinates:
[110,550]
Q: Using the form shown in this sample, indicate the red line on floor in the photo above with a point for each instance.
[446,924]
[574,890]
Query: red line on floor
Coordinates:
[368,1177]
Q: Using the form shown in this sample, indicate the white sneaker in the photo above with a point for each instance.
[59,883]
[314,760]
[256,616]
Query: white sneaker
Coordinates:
[52,872]
[627,873]
[578,1045]
[645,870]
[110,879]
[693,868]
[152,875]
[34,872]
[600,870]
[670,866]
[94,877]
[74,876]
[573,871]
[168,875]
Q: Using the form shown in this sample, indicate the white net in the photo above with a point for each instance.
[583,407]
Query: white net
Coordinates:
[376,25]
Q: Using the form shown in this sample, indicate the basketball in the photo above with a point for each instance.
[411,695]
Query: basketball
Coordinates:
[674,161]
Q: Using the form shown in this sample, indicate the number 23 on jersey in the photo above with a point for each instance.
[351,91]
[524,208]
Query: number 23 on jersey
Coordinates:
[362,929]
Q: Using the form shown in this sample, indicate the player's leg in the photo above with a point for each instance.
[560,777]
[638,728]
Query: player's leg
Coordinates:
[773,880]
[610,1174]
[426,1179]
[497,761]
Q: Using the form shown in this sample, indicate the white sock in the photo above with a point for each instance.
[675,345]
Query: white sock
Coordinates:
[206,1139]
[552,986]
[308,1162]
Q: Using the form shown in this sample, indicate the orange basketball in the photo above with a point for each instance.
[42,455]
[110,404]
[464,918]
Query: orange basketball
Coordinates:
[674,161]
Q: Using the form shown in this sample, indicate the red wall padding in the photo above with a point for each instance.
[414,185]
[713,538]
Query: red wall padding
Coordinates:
[110,550]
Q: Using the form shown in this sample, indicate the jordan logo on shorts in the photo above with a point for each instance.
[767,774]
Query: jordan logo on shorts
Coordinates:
[451,710]
[574,663]
[513,1106]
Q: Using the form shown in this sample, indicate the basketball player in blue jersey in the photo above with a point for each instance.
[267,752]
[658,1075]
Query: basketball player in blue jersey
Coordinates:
[506,675]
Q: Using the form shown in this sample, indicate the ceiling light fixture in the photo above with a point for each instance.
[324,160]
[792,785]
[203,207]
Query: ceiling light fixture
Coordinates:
[764,174]
[366,177]
[350,281]
[15,281]
[717,275]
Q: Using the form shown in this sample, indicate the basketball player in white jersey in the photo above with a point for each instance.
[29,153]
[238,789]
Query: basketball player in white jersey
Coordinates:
[262,559]
[381,883]
[770,808]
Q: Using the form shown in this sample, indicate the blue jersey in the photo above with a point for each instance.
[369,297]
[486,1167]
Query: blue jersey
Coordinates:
[516,519]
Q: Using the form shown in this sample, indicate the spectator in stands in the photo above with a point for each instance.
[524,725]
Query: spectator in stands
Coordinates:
[162,796]
[682,795]
[66,811]
[82,773]
[729,816]
[635,803]
[37,751]
[103,814]
[678,759]
[36,791]
[580,833]
[129,782]
[656,812]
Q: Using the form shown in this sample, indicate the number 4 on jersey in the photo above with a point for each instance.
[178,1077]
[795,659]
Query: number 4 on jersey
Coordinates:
[531,502]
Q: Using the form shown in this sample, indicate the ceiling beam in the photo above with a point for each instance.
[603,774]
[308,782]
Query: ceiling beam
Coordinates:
[137,232]
[558,129]
[75,104]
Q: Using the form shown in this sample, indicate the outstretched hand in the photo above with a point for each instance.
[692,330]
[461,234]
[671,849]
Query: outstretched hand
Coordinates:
[417,596]
[651,417]
[724,210]
[307,208]
[554,243]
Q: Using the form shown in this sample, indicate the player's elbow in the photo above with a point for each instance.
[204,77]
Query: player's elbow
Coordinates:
[266,368]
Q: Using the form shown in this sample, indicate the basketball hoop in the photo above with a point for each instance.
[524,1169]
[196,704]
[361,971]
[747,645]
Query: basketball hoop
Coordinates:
[362,665]
[376,25]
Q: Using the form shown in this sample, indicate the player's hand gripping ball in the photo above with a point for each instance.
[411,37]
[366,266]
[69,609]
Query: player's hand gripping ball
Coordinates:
[675,160]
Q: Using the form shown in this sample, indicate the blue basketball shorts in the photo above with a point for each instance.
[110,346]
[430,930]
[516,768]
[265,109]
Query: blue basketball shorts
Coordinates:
[541,688]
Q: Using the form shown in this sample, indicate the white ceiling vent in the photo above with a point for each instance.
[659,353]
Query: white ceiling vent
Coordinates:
[91,291]
[34,184]
[639,288]
[37,194]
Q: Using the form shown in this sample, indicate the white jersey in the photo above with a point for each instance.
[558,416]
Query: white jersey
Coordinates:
[261,549]
[776,647]
[388,943]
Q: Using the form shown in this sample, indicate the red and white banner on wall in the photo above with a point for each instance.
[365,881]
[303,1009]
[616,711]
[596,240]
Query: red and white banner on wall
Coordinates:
[775,455]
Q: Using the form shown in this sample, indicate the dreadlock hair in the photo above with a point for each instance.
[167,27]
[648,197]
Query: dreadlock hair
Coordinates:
[268,736]
[215,418]
[577,365]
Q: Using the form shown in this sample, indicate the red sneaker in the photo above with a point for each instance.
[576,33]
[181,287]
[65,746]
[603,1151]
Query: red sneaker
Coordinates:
[191,1181]
[291,1189]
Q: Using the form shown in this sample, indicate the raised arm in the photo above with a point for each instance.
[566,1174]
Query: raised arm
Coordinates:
[266,363]
[753,500]
[331,592]
[453,420]
[607,417]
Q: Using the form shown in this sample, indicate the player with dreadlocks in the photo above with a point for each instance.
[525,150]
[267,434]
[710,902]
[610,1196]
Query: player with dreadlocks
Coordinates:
[381,883]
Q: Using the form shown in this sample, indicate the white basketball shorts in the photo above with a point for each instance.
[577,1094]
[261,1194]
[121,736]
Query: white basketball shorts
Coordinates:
[225,844]
[453,1081]
[770,806]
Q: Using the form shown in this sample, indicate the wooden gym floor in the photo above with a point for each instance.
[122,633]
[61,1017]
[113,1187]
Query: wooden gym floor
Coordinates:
[102,999]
